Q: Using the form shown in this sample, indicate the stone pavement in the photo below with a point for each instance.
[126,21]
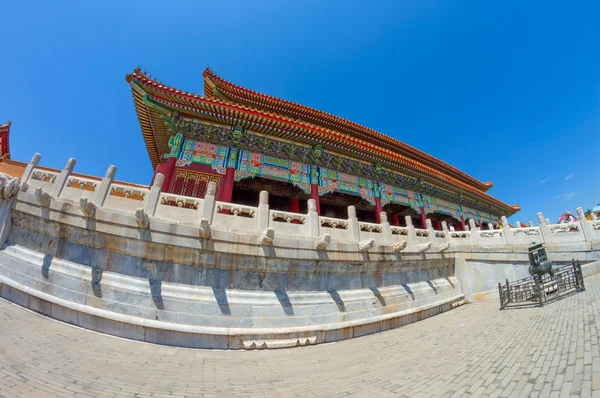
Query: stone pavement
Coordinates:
[473,350]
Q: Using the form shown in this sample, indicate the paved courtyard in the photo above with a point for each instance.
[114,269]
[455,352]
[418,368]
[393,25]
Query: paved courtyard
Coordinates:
[474,350]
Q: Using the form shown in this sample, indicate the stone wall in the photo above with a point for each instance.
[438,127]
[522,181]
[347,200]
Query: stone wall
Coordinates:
[163,268]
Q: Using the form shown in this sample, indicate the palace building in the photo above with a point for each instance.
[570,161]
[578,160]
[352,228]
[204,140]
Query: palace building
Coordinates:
[247,142]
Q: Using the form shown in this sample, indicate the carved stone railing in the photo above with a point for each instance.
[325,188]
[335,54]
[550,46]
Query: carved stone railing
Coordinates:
[422,233]
[370,227]
[88,195]
[440,234]
[399,230]
[460,234]
[44,176]
[123,191]
[530,231]
[565,228]
[179,201]
[236,210]
[82,183]
[287,217]
[498,233]
[328,222]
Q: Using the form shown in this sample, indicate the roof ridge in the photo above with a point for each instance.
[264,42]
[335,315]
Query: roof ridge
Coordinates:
[379,135]
[357,141]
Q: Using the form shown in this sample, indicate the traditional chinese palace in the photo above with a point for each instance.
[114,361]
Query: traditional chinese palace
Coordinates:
[246,142]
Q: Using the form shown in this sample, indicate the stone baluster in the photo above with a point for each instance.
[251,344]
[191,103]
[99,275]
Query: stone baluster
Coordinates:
[63,177]
[104,188]
[475,237]
[518,224]
[154,195]
[208,204]
[385,228]
[35,160]
[594,217]
[263,210]
[446,231]
[473,227]
[547,221]
[531,224]
[491,226]
[353,224]
[429,226]
[544,228]
[586,227]
[312,218]
[412,234]
[509,234]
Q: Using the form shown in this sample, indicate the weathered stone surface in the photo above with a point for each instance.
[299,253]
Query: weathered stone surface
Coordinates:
[474,349]
[181,271]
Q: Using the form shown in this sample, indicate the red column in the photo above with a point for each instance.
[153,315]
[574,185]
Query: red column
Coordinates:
[462,223]
[378,210]
[395,220]
[294,205]
[295,208]
[167,169]
[314,194]
[226,191]
[423,217]
[438,226]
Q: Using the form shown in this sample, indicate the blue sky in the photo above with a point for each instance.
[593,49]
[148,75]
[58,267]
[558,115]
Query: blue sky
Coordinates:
[507,91]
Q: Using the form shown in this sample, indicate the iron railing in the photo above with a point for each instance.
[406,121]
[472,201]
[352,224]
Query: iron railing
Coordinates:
[535,291]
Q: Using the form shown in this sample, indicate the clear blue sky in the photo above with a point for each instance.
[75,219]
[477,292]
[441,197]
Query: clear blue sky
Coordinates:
[507,91]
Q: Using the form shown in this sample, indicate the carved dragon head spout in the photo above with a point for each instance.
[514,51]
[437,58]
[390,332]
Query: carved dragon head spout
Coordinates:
[141,218]
[399,246]
[322,242]
[10,186]
[267,236]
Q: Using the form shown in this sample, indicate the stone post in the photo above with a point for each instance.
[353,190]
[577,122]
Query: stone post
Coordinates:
[61,180]
[263,210]
[518,224]
[35,160]
[412,234]
[353,224]
[385,228]
[531,224]
[509,234]
[208,206]
[475,237]
[586,227]
[378,210]
[446,231]
[312,218]
[103,190]
[547,221]
[491,226]
[154,195]
[594,217]
[544,228]
[472,226]
[430,230]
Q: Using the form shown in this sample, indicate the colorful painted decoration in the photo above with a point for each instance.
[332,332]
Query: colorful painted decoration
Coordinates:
[204,153]
[252,164]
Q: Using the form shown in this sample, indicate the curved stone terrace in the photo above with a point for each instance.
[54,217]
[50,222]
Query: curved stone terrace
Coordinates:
[474,350]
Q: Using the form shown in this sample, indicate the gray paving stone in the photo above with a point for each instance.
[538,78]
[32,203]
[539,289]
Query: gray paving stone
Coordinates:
[549,351]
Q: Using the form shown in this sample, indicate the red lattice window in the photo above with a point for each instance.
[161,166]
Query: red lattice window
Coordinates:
[192,183]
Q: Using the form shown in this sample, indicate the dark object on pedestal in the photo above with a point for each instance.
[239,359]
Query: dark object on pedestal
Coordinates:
[542,286]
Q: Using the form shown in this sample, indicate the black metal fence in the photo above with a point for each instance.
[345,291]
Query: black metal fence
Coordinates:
[536,291]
